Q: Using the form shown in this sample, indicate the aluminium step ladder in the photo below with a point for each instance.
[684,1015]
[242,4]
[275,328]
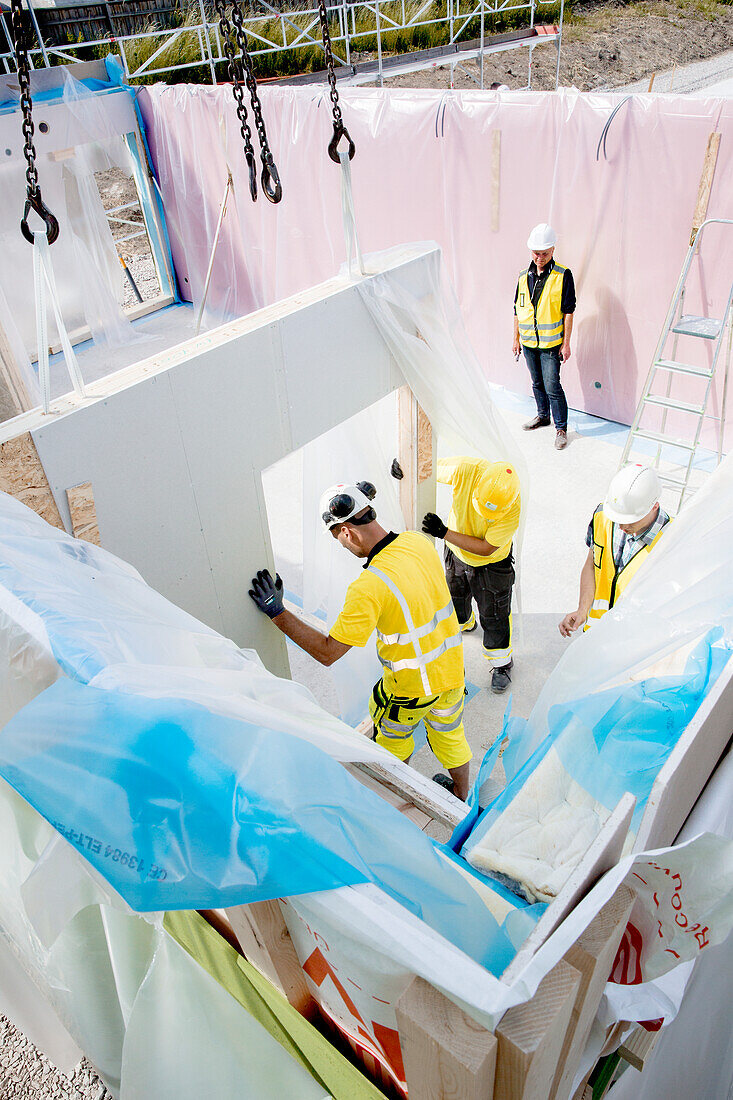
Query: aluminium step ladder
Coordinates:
[715,332]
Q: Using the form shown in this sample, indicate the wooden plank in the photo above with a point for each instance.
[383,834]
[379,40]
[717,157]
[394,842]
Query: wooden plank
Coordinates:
[603,853]
[447,1055]
[638,1046]
[424,446]
[266,943]
[689,766]
[405,807]
[706,184]
[531,1037]
[12,376]
[593,956]
[23,477]
[495,179]
[435,801]
[83,513]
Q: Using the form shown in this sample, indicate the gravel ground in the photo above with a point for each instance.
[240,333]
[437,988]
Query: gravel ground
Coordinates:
[26,1074]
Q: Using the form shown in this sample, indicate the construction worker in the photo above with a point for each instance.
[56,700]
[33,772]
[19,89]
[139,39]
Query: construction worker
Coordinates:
[544,304]
[478,552]
[403,595]
[620,535]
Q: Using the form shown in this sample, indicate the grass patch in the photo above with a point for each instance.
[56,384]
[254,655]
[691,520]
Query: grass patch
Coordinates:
[423,33]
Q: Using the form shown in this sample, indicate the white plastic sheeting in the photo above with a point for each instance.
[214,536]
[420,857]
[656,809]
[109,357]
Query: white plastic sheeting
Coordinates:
[425,169]
[88,274]
[683,590]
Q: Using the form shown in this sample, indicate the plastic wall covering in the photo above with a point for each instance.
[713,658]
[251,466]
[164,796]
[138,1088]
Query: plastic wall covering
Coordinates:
[424,169]
[89,277]
[190,811]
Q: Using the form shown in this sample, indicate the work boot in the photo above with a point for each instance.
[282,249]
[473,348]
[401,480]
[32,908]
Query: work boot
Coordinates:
[561,440]
[500,678]
[469,625]
[537,422]
[444,781]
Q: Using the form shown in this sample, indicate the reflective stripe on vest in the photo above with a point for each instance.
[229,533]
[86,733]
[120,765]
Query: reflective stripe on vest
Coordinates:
[543,326]
[420,660]
[405,639]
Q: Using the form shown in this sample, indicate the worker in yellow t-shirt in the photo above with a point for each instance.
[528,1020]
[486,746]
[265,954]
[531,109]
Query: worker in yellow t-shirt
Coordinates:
[478,553]
[403,595]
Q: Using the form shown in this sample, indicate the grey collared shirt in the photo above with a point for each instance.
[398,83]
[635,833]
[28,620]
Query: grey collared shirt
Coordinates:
[626,546]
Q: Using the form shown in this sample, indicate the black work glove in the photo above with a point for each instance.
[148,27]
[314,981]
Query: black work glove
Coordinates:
[433,525]
[268,593]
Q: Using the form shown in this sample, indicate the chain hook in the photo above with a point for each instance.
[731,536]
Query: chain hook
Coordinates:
[35,202]
[252,165]
[339,131]
[271,181]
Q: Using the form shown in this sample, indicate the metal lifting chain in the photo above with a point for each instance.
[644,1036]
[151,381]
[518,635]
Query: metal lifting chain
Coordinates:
[234,36]
[339,130]
[33,191]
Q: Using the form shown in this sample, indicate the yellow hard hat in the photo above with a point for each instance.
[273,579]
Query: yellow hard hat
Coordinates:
[497,490]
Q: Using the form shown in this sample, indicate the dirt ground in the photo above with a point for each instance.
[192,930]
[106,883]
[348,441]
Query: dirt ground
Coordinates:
[604,45]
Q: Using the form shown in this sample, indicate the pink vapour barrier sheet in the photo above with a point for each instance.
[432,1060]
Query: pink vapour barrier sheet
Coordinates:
[423,171]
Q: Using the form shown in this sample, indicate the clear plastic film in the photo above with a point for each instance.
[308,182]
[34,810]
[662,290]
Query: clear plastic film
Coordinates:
[617,702]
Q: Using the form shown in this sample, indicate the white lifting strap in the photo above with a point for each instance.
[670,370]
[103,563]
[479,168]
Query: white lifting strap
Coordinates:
[349,217]
[44,284]
[412,633]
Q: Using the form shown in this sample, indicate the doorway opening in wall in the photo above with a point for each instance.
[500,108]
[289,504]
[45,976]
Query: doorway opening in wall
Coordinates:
[315,569]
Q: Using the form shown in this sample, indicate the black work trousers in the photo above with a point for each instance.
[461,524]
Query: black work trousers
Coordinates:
[491,587]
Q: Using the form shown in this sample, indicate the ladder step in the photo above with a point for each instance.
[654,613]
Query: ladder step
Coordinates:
[671,403]
[708,328]
[656,437]
[676,482]
[683,368]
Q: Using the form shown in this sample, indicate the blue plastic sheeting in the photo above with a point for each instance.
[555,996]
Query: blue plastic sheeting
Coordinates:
[181,809]
[97,611]
[614,741]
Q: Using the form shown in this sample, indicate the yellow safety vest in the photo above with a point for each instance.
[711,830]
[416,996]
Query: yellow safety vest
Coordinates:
[404,595]
[610,583]
[541,327]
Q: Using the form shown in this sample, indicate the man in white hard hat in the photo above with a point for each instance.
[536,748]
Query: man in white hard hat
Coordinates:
[479,566]
[544,304]
[403,595]
[621,534]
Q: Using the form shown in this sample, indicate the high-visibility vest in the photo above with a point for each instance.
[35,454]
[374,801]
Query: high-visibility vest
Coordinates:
[418,636]
[610,582]
[541,326]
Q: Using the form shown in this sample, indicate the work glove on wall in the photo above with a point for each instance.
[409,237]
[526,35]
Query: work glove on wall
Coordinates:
[268,593]
[433,525]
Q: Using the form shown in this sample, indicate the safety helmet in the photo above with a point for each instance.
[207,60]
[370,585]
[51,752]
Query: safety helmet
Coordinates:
[344,501]
[542,236]
[632,494]
[497,490]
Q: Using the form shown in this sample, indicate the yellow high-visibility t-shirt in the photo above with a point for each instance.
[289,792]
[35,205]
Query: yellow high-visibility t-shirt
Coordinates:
[464,474]
[402,593]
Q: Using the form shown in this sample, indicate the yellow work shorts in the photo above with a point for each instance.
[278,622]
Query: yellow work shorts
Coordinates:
[395,718]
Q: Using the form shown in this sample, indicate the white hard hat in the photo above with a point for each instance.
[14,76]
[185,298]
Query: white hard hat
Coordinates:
[345,500]
[632,494]
[542,236]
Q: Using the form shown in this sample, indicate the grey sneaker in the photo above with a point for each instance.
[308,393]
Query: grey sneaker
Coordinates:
[561,440]
[501,679]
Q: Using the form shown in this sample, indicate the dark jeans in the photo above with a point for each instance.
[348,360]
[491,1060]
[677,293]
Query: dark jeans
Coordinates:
[544,369]
[491,587]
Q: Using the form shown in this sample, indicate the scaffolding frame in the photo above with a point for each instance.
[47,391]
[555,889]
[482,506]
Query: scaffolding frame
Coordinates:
[273,31]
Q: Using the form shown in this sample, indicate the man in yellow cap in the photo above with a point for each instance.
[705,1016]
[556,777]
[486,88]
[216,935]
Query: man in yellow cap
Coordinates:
[478,553]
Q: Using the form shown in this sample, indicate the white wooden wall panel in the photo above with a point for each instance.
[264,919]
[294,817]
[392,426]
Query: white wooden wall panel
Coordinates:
[174,448]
